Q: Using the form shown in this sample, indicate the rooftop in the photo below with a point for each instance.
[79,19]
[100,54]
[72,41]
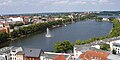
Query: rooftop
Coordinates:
[94,55]
[20,53]
[84,48]
[51,55]
[30,52]
[117,41]
[5,50]
[113,57]
[59,57]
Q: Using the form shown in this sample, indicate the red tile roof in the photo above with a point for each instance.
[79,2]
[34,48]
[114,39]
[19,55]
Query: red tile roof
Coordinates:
[59,57]
[94,55]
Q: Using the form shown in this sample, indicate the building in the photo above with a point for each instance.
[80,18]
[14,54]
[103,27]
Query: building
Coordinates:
[113,57]
[15,55]
[105,19]
[5,53]
[94,55]
[59,57]
[4,26]
[15,19]
[79,49]
[5,29]
[20,55]
[11,53]
[33,54]
[115,46]
[3,57]
[56,56]
[2,21]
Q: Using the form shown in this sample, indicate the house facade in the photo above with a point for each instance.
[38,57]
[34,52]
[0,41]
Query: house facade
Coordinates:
[115,46]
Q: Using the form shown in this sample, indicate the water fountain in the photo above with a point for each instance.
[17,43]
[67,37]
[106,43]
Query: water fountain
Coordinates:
[48,35]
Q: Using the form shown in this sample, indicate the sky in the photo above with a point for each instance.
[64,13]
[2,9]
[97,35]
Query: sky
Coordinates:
[44,6]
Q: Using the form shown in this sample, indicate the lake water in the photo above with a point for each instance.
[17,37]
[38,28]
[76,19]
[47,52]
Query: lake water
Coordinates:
[82,30]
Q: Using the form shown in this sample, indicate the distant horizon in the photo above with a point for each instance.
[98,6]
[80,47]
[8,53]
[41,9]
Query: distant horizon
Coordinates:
[56,12]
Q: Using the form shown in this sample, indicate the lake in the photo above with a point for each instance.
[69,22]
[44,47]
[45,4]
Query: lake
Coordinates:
[81,30]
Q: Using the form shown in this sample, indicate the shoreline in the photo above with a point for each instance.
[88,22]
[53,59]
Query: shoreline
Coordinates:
[28,35]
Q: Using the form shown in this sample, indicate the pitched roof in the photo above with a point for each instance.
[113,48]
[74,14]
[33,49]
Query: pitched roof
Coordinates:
[94,55]
[59,57]
[30,52]
[20,53]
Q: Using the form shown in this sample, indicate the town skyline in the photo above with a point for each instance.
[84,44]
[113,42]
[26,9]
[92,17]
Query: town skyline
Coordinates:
[46,6]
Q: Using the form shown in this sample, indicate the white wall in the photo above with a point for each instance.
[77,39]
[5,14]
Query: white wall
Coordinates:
[77,53]
[16,19]
[115,47]
[2,57]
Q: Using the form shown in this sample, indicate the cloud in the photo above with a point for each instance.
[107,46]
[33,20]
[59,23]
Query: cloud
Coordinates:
[79,2]
[5,2]
[104,1]
[101,2]
[61,2]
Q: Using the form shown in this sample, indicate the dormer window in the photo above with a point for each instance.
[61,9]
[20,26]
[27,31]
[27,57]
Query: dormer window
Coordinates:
[30,50]
[13,51]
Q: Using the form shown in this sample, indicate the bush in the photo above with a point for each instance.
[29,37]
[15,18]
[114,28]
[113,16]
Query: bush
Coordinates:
[105,47]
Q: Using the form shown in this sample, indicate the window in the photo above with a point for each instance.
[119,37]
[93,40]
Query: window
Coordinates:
[32,58]
[13,51]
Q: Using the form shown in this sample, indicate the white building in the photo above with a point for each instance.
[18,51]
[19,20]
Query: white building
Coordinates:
[16,19]
[105,19]
[115,45]
[14,52]
[5,53]
[80,49]
[96,46]
[77,52]
[58,18]
[118,19]
[2,21]
[11,53]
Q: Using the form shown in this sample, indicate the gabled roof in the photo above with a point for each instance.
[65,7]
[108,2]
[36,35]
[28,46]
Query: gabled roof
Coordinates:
[59,57]
[89,55]
[20,53]
[30,52]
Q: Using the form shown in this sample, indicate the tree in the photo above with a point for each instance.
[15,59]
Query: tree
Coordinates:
[3,36]
[59,47]
[64,46]
[78,42]
[67,46]
[105,47]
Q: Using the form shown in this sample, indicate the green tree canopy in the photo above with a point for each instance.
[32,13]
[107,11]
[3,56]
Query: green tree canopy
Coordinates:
[64,46]
[105,47]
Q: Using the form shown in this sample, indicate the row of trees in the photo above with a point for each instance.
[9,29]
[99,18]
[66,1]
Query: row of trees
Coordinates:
[80,42]
[116,29]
